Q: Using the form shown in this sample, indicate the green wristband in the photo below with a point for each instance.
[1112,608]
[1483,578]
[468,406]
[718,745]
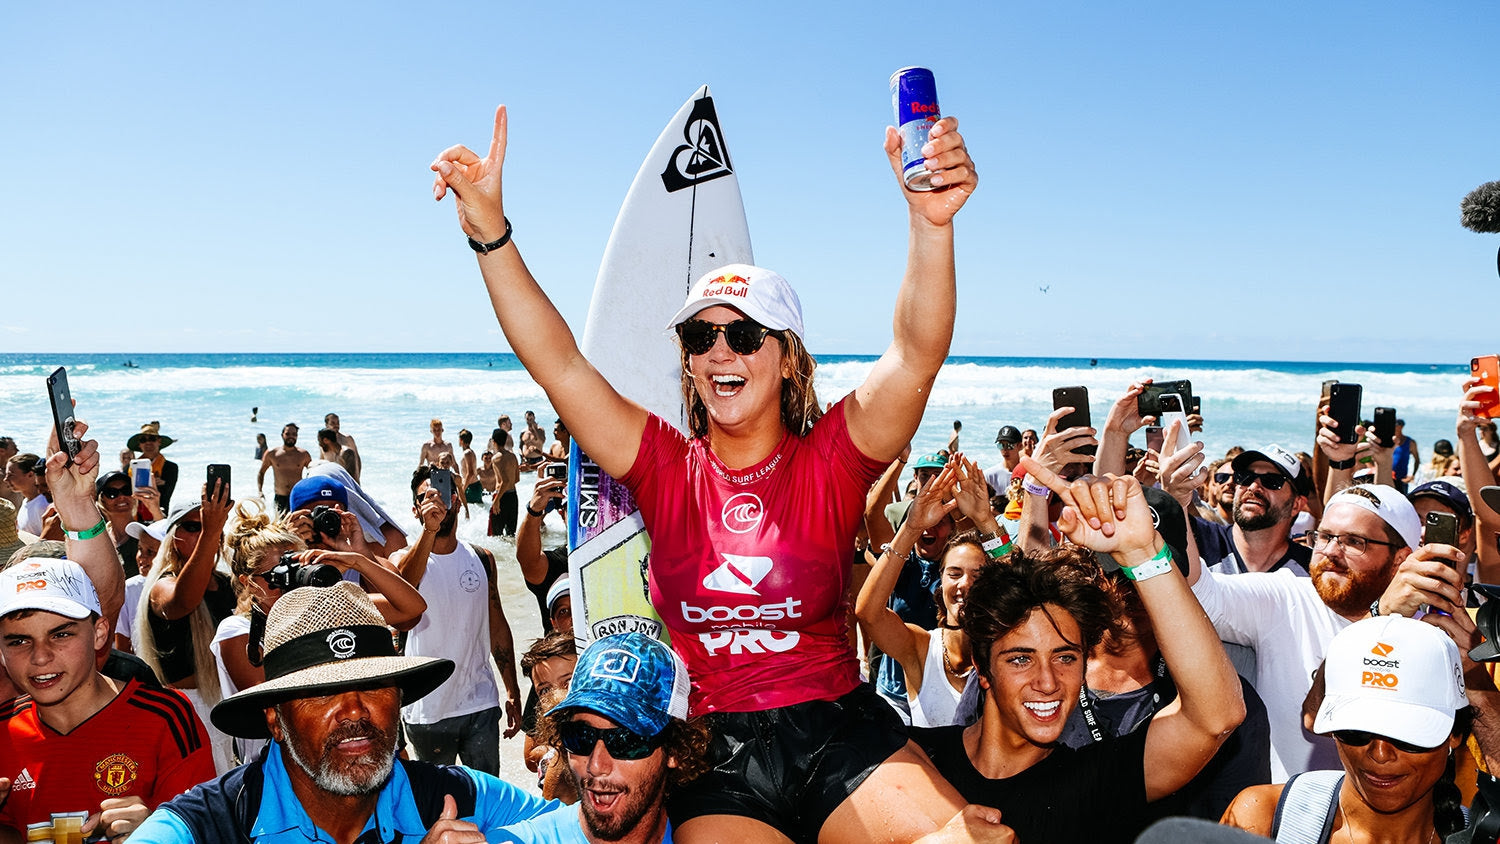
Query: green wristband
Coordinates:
[1159,564]
[86,534]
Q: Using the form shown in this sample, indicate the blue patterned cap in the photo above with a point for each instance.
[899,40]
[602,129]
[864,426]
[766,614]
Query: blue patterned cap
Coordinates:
[631,679]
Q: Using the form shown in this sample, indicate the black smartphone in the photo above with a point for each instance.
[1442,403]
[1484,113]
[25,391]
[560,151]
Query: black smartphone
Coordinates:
[1148,403]
[1343,406]
[62,413]
[1195,406]
[1078,399]
[218,473]
[557,471]
[442,481]
[1440,529]
[1385,425]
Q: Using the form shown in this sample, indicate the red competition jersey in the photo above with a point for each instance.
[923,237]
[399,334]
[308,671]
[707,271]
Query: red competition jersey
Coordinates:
[146,742]
[749,567]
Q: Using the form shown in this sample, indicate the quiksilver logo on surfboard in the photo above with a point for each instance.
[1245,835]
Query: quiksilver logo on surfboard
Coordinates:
[704,157]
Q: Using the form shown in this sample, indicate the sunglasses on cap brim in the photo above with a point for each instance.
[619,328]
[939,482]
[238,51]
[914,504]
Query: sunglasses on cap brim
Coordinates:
[745,336]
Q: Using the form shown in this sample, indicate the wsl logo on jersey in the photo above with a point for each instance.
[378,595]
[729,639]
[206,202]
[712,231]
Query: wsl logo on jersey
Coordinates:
[704,157]
[742,513]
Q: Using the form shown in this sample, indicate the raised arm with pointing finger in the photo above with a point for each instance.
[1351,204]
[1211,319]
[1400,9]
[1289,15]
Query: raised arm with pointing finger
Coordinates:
[797,489]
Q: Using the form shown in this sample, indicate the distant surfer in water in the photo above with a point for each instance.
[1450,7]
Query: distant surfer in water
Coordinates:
[757,511]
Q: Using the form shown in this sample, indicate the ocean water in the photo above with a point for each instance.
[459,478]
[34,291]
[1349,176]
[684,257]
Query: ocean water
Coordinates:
[385,402]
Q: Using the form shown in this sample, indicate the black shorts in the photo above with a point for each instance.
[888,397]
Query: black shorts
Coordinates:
[791,767]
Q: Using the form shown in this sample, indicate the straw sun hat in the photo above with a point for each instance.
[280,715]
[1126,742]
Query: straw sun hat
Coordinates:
[324,640]
[153,428]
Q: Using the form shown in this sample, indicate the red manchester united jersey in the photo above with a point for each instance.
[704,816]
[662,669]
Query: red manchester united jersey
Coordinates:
[146,742]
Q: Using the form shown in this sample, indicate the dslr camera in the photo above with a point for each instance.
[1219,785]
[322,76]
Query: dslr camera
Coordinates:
[290,574]
[327,521]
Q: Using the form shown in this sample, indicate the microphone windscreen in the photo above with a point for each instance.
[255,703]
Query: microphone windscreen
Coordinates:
[1480,210]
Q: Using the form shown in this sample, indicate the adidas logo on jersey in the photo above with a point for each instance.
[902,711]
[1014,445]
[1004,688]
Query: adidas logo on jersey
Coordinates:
[23,781]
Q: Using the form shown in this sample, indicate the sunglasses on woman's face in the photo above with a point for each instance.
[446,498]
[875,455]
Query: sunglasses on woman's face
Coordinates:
[579,739]
[745,336]
[191,527]
[1360,738]
[113,492]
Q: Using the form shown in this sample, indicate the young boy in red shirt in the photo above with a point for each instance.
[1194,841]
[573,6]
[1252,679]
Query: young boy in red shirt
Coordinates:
[78,750]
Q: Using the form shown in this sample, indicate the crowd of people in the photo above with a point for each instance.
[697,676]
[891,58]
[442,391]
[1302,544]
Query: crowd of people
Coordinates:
[1083,639]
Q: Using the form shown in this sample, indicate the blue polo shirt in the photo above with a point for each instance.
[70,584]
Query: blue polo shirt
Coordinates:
[282,819]
[564,826]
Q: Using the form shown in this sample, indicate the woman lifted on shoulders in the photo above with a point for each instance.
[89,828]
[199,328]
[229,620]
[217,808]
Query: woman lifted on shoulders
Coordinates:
[803,751]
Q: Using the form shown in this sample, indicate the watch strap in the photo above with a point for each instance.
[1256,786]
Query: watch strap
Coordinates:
[487,248]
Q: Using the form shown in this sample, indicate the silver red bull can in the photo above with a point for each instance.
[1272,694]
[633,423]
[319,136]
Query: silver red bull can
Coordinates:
[914,96]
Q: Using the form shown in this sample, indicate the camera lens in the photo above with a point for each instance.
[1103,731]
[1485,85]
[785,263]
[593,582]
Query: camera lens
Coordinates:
[320,574]
[327,521]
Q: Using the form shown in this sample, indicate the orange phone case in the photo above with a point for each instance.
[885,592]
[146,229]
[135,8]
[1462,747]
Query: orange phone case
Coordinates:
[1487,369]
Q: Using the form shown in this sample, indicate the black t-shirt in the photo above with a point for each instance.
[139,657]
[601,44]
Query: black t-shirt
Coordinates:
[1243,760]
[1216,547]
[174,638]
[1091,795]
[557,566]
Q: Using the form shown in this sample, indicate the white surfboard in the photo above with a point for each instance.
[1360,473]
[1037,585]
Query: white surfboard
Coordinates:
[682,217]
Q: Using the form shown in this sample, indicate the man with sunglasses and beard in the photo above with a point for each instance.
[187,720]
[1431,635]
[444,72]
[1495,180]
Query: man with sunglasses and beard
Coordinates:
[624,731]
[1366,533]
[330,703]
[1268,492]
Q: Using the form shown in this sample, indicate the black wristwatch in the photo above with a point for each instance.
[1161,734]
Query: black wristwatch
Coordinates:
[1341,464]
[487,248]
[534,514]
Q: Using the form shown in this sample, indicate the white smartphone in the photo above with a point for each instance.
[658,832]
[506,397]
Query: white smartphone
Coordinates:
[140,473]
[1172,408]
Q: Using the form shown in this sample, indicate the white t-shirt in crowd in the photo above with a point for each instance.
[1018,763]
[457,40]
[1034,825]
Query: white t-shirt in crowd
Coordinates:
[1283,618]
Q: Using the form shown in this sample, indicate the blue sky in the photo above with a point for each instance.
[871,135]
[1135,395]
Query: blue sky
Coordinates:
[1190,180]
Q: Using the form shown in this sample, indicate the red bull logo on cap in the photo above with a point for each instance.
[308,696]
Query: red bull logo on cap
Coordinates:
[728,284]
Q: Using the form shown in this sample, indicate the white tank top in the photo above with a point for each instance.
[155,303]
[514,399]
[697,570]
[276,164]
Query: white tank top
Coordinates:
[937,703]
[456,626]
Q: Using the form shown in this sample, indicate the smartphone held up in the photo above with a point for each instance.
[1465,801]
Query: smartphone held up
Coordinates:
[61,399]
[1487,369]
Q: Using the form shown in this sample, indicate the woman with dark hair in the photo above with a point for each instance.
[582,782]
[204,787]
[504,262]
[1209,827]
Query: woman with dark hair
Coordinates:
[752,514]
[1394,701]
[936,663]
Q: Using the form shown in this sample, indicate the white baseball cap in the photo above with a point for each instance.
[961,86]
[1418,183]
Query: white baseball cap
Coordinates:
[50,585]
[1284,460]
[760,294]
[1395,677]
[1388,504]
[560,587]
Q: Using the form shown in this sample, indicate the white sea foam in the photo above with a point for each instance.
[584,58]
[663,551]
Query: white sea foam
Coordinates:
[207,408]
